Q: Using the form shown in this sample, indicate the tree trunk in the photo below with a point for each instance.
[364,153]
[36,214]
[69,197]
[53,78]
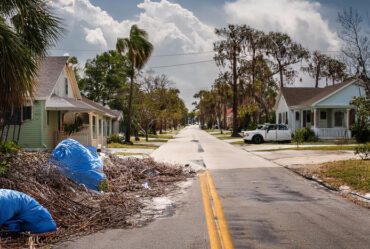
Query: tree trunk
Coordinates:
[317,76]
[225,115]
[235,97]
[129,111]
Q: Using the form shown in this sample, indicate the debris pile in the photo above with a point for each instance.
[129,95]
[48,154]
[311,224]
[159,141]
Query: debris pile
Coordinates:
[75,209]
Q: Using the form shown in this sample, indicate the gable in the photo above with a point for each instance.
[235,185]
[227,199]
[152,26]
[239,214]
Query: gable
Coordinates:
[343,97]
[50,69]
[281,105]
[66,85]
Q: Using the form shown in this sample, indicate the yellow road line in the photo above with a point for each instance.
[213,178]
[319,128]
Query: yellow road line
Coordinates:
[226,239]
[218,230]
[211,225]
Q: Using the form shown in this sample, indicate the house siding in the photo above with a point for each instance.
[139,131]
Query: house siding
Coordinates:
[30,135]
[282,107]
[50,128]
[343,97]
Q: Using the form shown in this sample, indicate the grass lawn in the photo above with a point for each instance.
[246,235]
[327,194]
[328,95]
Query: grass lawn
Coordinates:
[134,146]
[328,147]
[238,142]
[353,173]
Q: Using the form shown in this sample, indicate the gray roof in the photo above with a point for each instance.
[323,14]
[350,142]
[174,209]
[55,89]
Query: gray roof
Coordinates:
[50,69]
[307,96]
[100,107]
[57,103]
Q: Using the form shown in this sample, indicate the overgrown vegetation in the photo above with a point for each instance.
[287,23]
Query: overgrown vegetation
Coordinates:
[361,128]
[353,173]
[363,151]
[302,135]
[9,147]
[133,146]
[114,138]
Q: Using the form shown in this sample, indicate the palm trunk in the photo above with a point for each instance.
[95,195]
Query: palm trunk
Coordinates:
[129,111]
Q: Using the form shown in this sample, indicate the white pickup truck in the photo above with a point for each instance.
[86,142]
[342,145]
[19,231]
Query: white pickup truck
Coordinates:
[268,132]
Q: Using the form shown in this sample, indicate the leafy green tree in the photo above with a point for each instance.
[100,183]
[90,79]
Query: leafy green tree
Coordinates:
[138,50]
[27,30]
[105,77]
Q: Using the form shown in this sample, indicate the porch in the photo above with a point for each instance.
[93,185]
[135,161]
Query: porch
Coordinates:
[92,126]
[327,123]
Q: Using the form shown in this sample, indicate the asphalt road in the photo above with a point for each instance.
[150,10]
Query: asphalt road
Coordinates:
[266,206]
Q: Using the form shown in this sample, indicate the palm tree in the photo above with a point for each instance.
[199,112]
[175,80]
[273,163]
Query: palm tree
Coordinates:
[138,50]
[27,30]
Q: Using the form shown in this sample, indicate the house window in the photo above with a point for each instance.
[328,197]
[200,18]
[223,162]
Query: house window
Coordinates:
[338,119]
[280,118]
[296,116]
[323,115]
[94,127]
[27,112]
[66,86]
[108,127]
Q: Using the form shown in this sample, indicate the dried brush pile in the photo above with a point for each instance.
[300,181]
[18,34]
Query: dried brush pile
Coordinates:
[78,211]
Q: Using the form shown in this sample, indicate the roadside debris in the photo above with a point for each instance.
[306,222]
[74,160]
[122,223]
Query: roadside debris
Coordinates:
[80,164]
[21,213]
[78,211]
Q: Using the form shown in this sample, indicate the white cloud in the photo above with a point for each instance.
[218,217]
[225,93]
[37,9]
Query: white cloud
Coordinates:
[95,36]
[301,19]
[171,28]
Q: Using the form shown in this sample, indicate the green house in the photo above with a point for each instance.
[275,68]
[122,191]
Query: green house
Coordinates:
[42,122]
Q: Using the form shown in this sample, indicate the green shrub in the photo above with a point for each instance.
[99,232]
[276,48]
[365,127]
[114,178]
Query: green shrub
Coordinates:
[361,132]
[363,151]
[114,138]
[8,147]
[304,135]
[299,136]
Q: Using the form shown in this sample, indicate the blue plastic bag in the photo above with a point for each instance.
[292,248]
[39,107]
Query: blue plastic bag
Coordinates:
[80,164]
[21,213]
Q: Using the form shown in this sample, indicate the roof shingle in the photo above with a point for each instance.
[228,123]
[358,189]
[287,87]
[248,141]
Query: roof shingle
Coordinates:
[49,71]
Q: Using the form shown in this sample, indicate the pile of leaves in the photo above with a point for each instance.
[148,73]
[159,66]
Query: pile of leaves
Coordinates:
[78,211]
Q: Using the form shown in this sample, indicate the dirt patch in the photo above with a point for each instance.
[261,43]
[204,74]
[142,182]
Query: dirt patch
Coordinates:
[77,211]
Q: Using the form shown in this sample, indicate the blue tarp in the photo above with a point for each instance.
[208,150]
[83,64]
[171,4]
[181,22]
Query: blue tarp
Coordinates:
[21,213]
[80,164]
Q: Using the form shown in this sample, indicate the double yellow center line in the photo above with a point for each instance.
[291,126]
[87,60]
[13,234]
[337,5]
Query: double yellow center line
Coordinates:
[218,230]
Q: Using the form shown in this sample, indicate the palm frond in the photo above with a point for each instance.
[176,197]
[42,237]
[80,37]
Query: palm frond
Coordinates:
[17,69]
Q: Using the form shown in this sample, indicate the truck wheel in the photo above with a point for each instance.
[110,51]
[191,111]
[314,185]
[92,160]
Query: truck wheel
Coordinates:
[257,139]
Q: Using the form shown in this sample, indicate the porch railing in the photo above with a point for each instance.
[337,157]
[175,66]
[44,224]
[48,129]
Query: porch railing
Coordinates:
[83,136]
[332,132]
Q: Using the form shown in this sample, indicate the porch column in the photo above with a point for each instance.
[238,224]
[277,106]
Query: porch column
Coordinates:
[348,118]
[314,118]
[301,115]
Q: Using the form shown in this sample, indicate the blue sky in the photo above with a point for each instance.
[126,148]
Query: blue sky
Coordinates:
[187,26]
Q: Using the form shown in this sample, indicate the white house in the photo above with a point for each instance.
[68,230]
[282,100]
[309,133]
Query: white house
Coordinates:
[327,111]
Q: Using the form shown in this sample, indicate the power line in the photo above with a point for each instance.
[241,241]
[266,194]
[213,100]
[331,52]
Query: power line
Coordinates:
[156,55]
[183,64]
